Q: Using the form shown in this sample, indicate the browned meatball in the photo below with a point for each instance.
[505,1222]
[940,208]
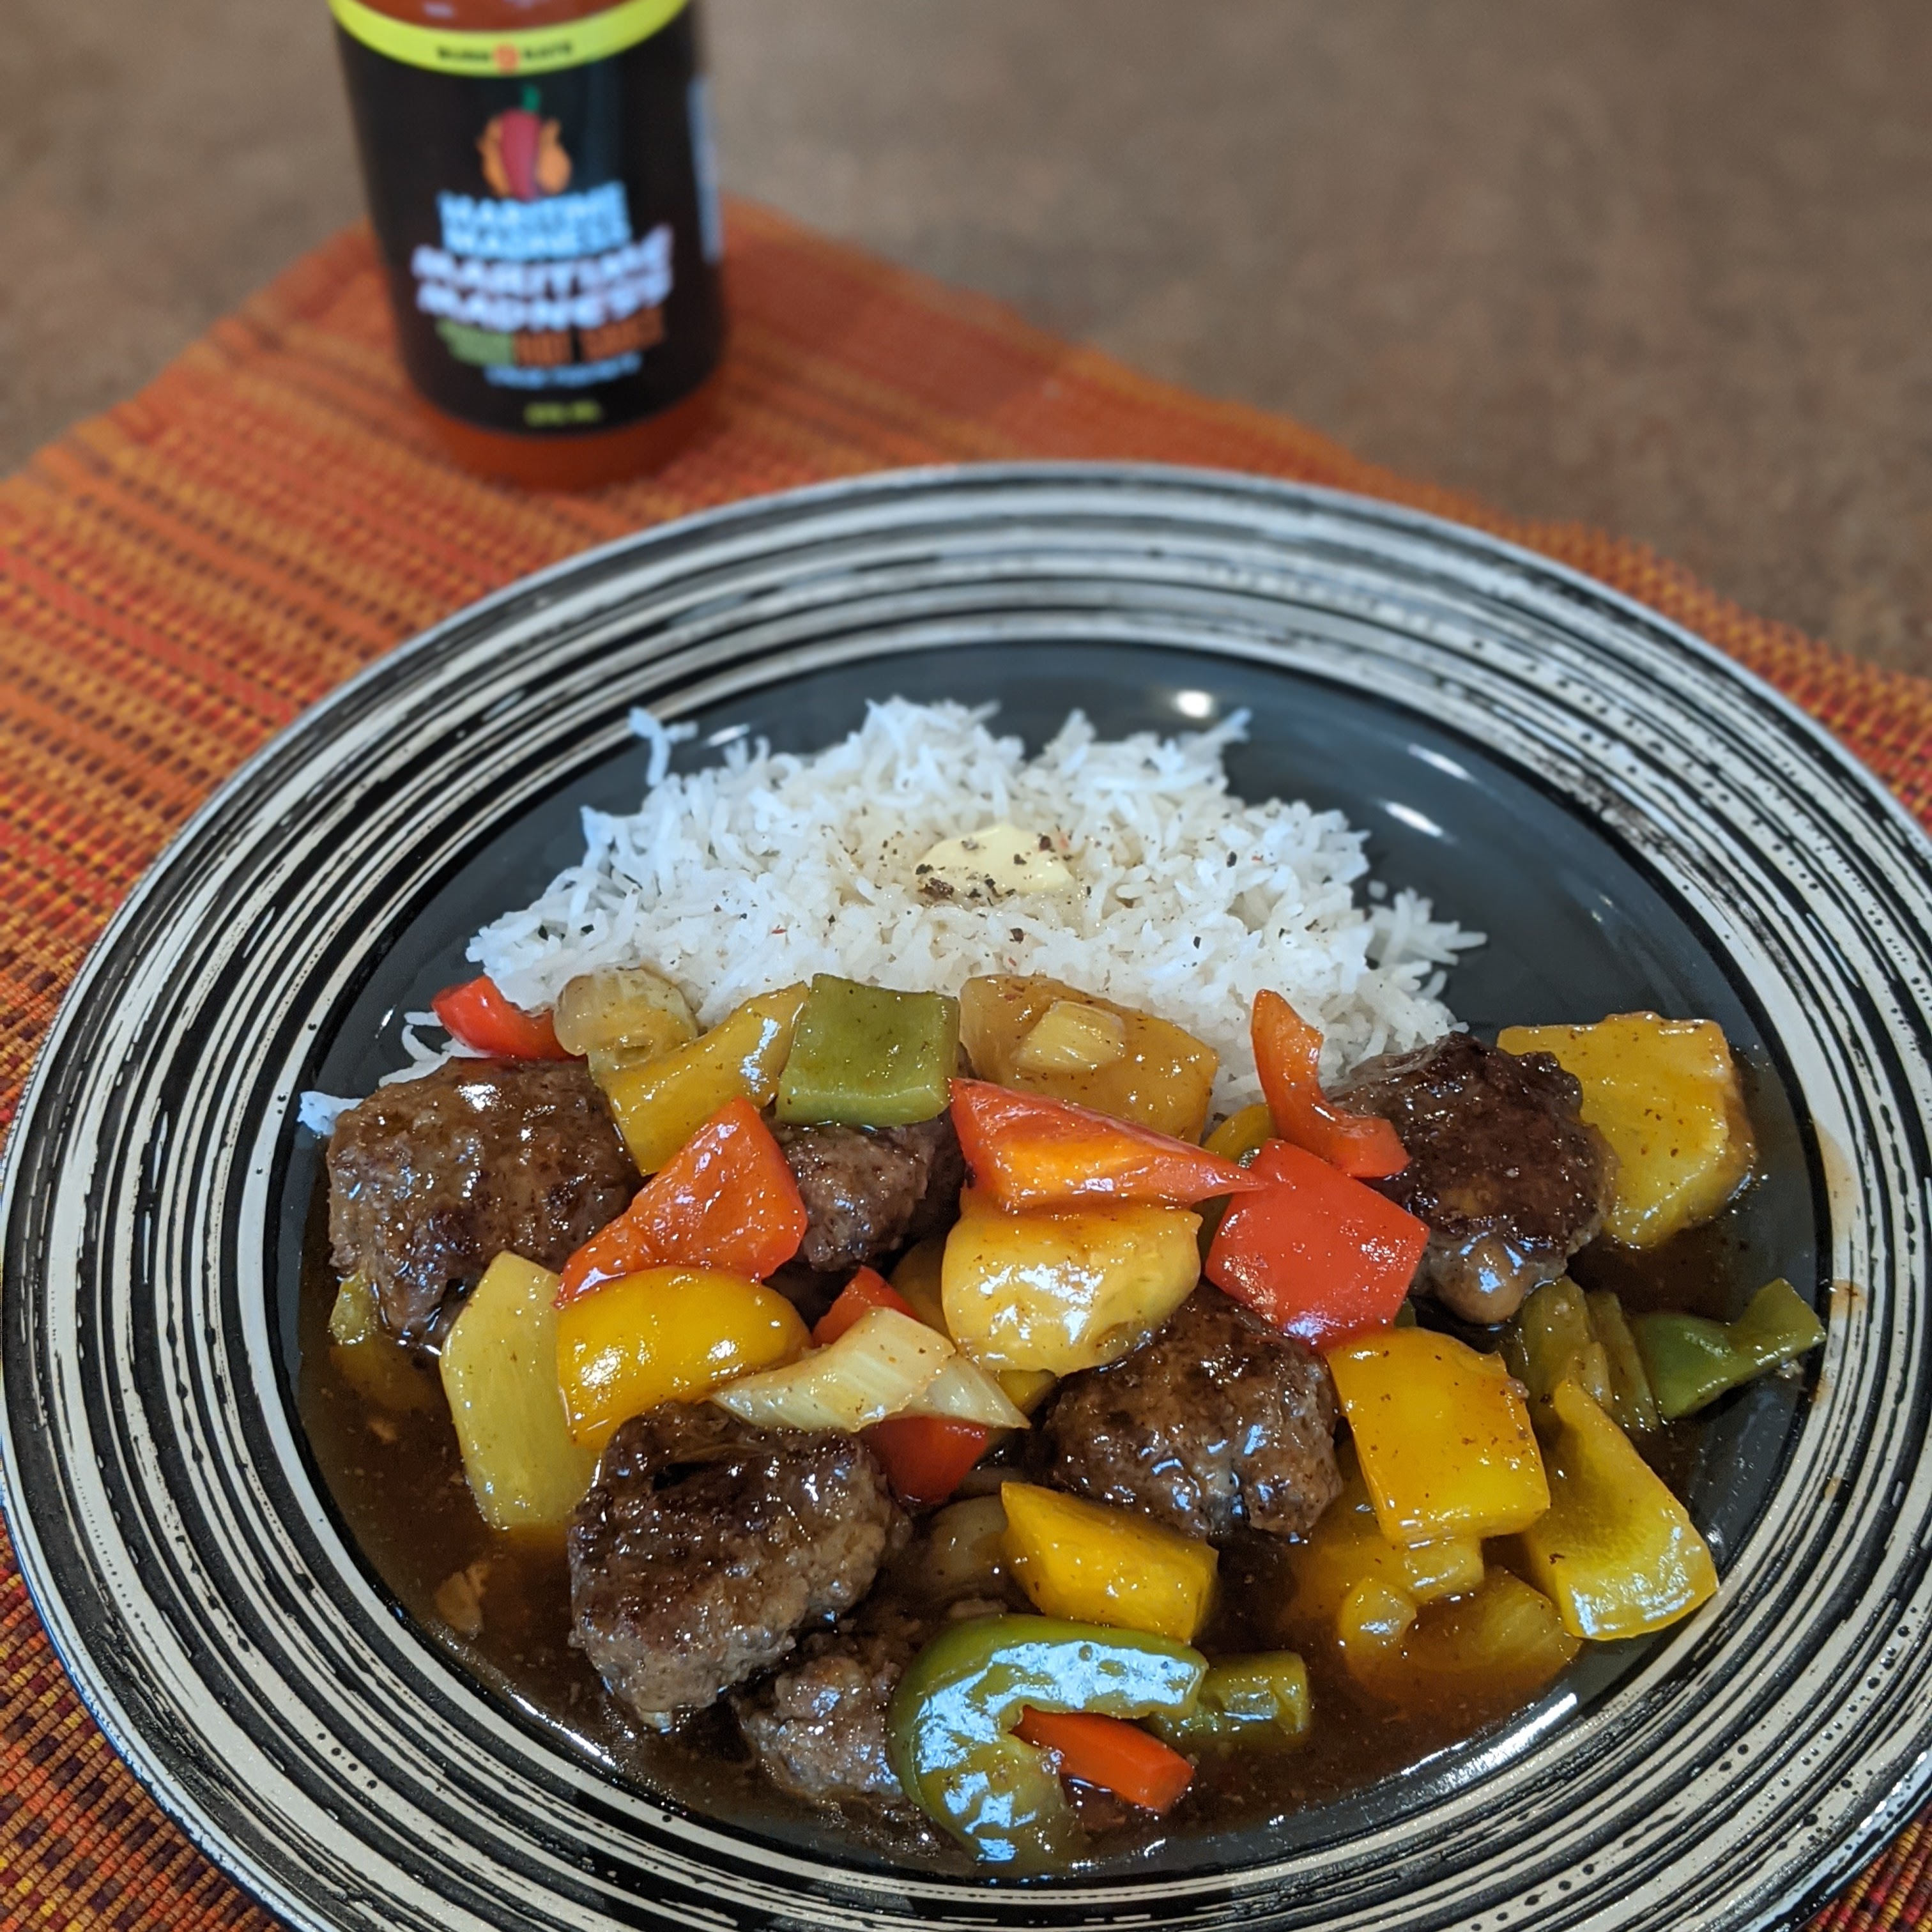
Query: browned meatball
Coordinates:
[1219,1423]
[868,1192]
[818,1727]
[430,1179]
[706,1545]
[1510,1178]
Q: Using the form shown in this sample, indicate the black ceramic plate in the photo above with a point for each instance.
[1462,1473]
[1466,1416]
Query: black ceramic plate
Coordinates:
[1632,821]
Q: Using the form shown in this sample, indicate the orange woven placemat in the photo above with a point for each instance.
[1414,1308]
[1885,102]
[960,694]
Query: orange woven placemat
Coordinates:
[180,577]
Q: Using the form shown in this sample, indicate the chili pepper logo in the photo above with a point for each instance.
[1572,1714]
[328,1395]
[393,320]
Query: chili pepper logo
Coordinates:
[523,158]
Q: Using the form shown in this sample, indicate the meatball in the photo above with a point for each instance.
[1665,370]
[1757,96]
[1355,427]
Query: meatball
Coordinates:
[1510,1177]
[706,1546]
[1219,1423]
[430,1179]
[868,1192]
[818,1728]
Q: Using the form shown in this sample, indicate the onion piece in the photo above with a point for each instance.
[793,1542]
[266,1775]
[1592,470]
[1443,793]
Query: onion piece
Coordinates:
[962,1391]
[881,1365]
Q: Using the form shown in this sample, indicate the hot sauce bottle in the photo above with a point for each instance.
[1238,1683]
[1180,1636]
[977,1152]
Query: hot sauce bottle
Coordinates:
[541,185]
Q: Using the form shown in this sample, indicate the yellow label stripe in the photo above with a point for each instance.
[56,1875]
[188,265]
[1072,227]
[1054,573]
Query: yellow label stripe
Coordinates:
[527,50]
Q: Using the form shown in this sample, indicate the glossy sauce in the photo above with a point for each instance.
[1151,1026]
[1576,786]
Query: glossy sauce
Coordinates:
[397,1479]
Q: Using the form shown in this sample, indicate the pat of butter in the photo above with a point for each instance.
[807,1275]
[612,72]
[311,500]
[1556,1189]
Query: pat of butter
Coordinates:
[992,864]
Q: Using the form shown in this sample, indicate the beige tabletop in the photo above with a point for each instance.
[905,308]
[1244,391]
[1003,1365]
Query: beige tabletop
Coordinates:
[1664,266]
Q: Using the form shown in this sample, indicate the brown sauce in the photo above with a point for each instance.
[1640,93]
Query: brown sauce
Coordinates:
[396,1478]
[1695,1273]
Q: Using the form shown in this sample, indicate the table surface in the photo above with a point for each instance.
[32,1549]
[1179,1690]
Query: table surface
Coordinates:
[1659,264]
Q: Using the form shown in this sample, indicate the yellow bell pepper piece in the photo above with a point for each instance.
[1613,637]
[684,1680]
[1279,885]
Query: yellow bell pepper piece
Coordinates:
[1241,1134]
[1443,1434]
[659,1105]
[1091,1563]
[1422,1625]
[1665,1094]
[1551,1338]
[1163,1077]
[1026,1389]
[1346,1549]
[1633,1402]
[1486,1652]
[1617,1552]
[917,1278]
[667,1334]
[1063,1292]
[499,1367]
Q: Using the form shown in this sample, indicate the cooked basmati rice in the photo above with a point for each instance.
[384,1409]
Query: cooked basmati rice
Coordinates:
[767,868]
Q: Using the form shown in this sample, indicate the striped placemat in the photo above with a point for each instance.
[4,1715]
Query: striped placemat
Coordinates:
[180,577]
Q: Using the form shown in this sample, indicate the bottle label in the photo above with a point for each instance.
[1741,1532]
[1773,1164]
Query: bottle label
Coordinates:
[545,203]
[525,51]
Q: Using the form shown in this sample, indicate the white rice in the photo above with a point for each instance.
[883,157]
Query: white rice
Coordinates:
[317,1111]
[767,868]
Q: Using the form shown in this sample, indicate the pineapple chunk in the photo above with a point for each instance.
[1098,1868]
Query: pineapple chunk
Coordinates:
[1072,1037]
[500,1372]
[622,1016]
[1479,1655]
[1163,1079]
[1665,1094]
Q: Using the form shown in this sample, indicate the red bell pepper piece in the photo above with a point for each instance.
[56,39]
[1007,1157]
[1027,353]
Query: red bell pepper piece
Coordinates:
[1315,1251]
[477,1013]
[867,1290]
[1117,1756]
[727,1199]
[1027,1150]
[1287,1055]
[926,1457]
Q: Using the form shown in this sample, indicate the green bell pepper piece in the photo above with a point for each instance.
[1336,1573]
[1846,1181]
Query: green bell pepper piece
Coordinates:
[1692,1360]
[866,1057]
[1261,1699]
[950,1722]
